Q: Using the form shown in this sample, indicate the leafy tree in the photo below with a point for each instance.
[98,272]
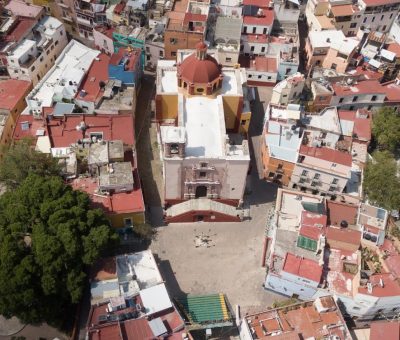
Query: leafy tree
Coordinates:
[144,231]
[381,183]
[386,130]
[21,159]
[48,235]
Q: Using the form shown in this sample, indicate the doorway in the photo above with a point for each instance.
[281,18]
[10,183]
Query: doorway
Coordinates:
[201,191]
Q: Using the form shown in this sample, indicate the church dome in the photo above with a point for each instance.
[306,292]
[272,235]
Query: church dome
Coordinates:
[199,67]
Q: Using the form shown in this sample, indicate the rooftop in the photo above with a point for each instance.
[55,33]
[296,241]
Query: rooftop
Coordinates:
[283,143]
[19,28]
[307,320]
[266,19]
[126,57]
[362,87]
[265,64]
[18,7]
[327,154]
[64,78]
[12,91]
[392,91]
[302,267]
[388,330]
[321,39]
[362,122]
[343,10]
[91,89]
[380,2]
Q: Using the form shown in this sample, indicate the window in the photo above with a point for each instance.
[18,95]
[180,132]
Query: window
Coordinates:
[173,54]
[271,174]
[332,188]
[33,68]
[288,70]
[173,41]
[302,180]
[373,98]
[147,49]
[259,77]
[304,173]
[202,174]
[161,53]
[15,71]
[250,75]
[365,20]
[203,165]
[369,107]
[56,43]
[41,59]
[333,66]
[353,25]
[263,49]
[61,32]
[355,98]
[341,100]
[356,308]
[96,136]
[245,29]
[128,222]
[200,90]
[228,59]
[384,28]
[334,165]
[314,183]
[317,176]
[391,16]
[52,47]
[335,181]
[265,30]
[373,19]
[351,108]
[252,48]
[254,30]
[269,78]
[382,17]
[280,166]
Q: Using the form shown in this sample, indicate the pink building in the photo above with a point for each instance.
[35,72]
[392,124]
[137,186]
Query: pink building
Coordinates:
[103,39]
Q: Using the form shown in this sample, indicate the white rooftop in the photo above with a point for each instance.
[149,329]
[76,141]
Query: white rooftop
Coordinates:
[64,78]
[345,46]
[169,81]
[173,134]
[320,39]
[50,25]
[155,299]
[327,119]
[23,48]
[205,126]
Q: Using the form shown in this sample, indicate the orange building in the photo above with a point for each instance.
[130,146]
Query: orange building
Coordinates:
[12,103]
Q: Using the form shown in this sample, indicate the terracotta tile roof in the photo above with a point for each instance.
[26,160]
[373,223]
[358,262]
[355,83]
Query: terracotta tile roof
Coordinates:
[21,29]
[98,72]
[385,330]
[259,3]
[132,56]
[302,267]
[331,155]
[362,126]
[34,125]
[363,87]
[12,91]
[266,64]
[367,73]
[108,331]
[137,329]
[266,20]
[119,7]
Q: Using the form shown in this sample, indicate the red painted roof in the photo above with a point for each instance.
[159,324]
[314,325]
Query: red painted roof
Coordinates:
[312,225]
[392,92]
[266,20]
[337,212]
[107,31]
[108,331]
[390,286]
[367,73]
[97,72]
[395,48]
[194,70]
[63,132]
[119,7]
[363,87]
[23,26]
[137,329]
[257,38]
[362,126]
[302,267]
[393,263]
[133,56]
[193,17]
[34,125]
[259,3]
[266,64]
[344,235]
[11,92]
[331,155]
[385,330]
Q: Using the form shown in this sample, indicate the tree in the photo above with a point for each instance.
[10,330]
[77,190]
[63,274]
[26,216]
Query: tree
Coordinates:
[381,184]
[386,130]
[48,235]
[21,159]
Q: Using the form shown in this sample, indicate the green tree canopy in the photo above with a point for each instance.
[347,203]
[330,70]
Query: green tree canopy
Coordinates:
[381,183]
[48,235]
[21,159]
[386,130]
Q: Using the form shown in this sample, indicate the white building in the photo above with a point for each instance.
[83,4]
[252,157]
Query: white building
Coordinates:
[205,159]
[62,82]
[34,56]
[378,15]
[288,90]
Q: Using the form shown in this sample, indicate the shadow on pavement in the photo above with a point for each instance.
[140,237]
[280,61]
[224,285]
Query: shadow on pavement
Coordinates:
[169,277]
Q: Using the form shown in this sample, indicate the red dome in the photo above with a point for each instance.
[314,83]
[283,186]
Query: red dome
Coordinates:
[194,70]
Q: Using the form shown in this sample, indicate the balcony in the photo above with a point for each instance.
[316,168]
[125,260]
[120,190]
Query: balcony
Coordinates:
[84,22]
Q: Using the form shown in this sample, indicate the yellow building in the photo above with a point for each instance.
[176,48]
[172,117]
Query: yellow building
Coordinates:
[12,103]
